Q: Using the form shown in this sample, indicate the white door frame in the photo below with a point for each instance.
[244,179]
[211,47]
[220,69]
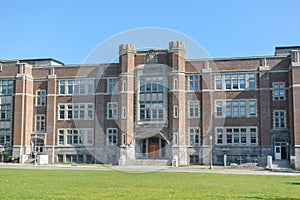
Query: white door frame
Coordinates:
[277,152]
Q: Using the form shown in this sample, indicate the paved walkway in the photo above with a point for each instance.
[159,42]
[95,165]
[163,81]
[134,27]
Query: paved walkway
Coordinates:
[147,169]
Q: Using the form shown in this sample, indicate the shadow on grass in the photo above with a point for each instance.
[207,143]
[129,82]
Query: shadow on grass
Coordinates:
[295,183]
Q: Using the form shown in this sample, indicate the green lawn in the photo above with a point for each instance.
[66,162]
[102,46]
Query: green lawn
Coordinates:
[69,184]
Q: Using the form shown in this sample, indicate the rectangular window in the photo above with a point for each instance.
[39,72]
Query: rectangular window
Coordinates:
[252,108]
[112,110]
[40,123]
[194,136]
[6,87]
[278,91]
[219,108]
[40,98]
[176,138]
[219,136]
[235,81]
[175,111]
[112,86]
[75,137]
[5,136]
[194,107]
[218,82]
[124,112]
[76,111]
[124,86]
[253,136]
[237,136]
[112,136]
[175,84]
[74,86]
[279,119]
[237,108]
[5,111]
[194,82]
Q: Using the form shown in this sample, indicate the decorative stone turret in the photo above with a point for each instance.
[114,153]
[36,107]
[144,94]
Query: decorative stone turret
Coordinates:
[176,46]
[126,48]
[177,55]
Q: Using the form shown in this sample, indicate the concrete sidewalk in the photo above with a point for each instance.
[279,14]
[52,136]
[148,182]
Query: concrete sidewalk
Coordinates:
[148,169]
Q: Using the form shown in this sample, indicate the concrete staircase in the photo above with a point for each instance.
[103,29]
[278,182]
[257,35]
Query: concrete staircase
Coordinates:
[281,166]
[148,162]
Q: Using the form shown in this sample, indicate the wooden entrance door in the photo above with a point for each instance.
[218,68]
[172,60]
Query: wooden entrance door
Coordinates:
[153,147]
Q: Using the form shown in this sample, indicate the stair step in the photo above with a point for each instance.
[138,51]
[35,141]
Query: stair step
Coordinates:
[147,162]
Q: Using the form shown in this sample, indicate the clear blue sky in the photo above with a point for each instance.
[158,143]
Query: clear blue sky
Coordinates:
[68,30]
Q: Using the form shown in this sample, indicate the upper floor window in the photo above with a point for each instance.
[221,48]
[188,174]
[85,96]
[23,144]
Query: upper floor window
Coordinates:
[235,81]
[124,86]
[194,136]
[278,91]
[40,97]
[112,110]
[112,86]
[5,111]
[40,123]
[194,82]
[279,119]
[175,111]
[124,113]
[235,108]
[74,86]
[194,109]
[112,136]
[175,84]
[81,111]
[6,86]
[75,136]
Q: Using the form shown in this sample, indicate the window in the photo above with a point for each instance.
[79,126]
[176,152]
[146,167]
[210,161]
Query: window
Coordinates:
[40,123]
[251,81]
[253,136]
[124,139]
[235,108]
[75,136]
[112,136]
[175,111]
[238,81]
[176,138]
[278,91]
[237,135]
[6,87]
[112,85]
[124,86]
[81,111]
[219,136]
[74,86]
[219,108]
[175,84]
[5,136]
[194,136]
[5,111]
[40,97]
[124,112]
[194,109]
[151,98]
[279,119]
[252,108]
[194,82]
[112,110]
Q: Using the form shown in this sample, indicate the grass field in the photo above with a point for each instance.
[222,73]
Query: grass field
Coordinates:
[69,184]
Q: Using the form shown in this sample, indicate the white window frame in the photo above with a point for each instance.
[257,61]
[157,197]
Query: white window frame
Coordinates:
[176,139]
[40,98]
[113,106]
[112,85]
[239,136]
[112,137]
[175,111]
[239,78]
[84,137]
[124,112]
[40,123]
[175,84]
[278,88]
[280,118]
[193,83]
[219,105]
[79,86]
[76,111]
[194,135]
[124,86]
[195,108]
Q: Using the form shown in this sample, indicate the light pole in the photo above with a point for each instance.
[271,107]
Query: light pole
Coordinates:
[35,154]
[211,152]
